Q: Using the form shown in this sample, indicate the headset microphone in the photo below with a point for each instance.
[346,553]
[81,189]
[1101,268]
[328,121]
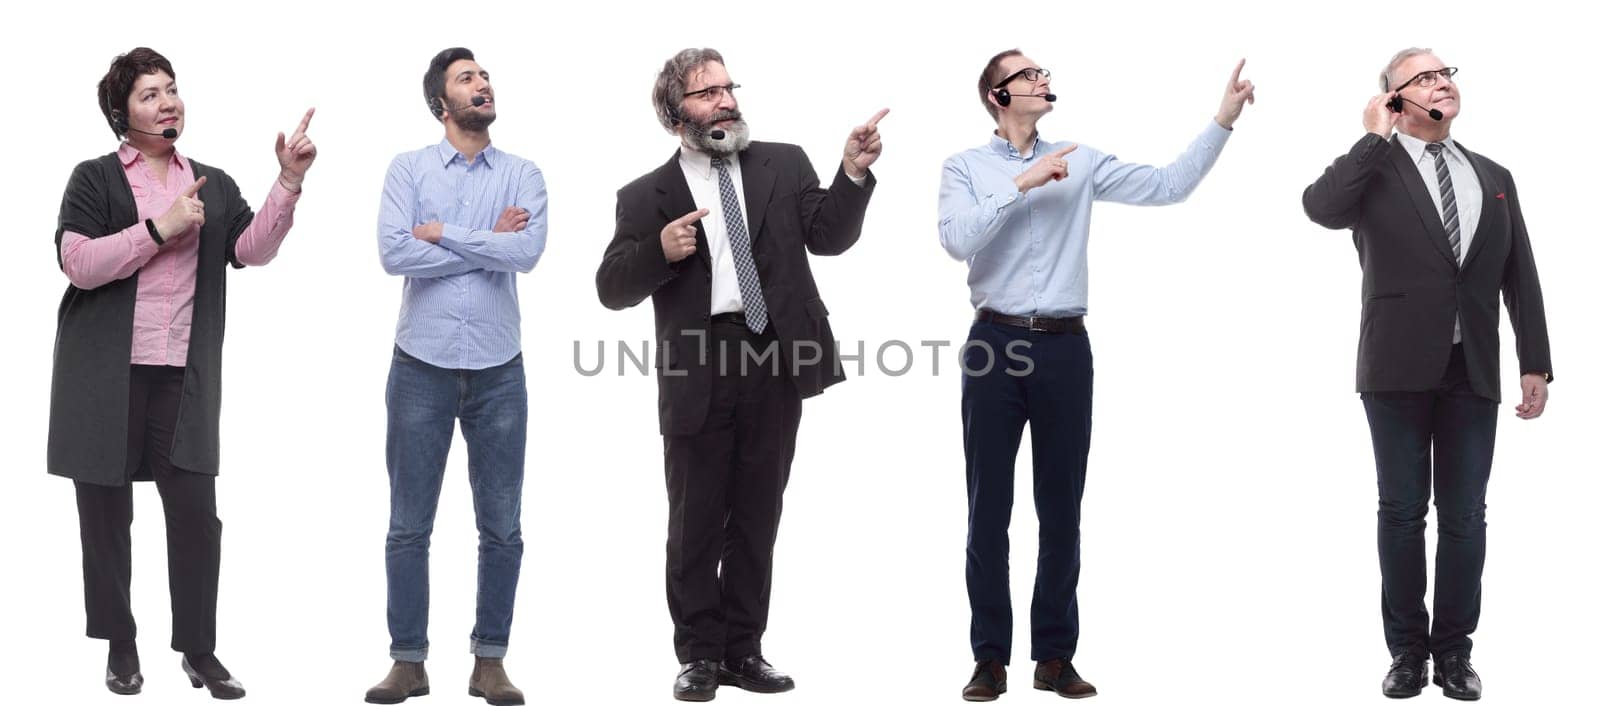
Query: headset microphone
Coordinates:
[1396,105]
[1003,97]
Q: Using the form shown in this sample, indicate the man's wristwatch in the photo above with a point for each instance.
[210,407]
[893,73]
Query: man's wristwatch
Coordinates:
[150,224]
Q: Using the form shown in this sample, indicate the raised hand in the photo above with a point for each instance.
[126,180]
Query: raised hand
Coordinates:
[863,147]
[1052,167]
[185,213]
[296,153]
[677,238]
[1378,119]
[1234,97]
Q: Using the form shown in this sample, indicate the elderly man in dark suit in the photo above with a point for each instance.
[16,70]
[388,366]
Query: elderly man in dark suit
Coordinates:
[1441,238]
[717,237]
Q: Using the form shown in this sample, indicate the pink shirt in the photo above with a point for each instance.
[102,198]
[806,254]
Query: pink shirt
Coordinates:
[164,307]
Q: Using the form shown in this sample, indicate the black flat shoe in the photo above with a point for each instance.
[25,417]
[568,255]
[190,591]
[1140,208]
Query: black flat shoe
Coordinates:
[1453,673]
[213,676]
[1407,675]
[122,669]
[753,673]
[697,681]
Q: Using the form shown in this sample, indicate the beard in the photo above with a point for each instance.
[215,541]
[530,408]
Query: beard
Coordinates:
[736,136]
[471,120]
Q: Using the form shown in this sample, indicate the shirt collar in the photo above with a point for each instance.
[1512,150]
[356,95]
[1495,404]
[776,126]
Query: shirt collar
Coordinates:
[1419,149]
[1004,148]
[448,152]
[128,154]
[699,163]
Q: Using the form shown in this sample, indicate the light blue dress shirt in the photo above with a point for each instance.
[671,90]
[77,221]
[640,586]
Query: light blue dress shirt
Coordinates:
[1026,253]
[459,305]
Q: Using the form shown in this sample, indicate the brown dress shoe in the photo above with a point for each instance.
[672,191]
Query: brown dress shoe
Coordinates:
[988,682]
[1058,675]
[489,681]
[405,680]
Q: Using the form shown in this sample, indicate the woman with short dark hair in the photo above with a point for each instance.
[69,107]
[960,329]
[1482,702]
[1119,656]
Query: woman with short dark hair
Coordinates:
[145,238]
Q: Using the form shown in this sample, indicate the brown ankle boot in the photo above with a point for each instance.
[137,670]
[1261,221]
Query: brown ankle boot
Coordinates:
[489,681]
[405,680]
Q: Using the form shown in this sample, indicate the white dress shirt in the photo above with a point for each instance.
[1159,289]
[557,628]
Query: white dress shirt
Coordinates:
[1463,182]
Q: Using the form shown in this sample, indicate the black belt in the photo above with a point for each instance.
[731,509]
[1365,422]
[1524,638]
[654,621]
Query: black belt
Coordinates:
[731,317]
[1039,324]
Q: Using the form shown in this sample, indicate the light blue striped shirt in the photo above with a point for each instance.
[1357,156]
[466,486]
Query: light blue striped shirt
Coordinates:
[459,305]
[1026,254]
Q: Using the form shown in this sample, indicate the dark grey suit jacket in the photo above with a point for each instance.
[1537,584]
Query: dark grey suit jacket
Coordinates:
[1412,289]
[790,214]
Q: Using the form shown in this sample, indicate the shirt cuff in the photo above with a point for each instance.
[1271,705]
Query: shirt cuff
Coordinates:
[1215,134]
[858,182]
[453,235]
[281,196]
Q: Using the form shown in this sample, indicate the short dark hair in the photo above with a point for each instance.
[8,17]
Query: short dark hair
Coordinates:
[991,76]
[117,84]
[433,81]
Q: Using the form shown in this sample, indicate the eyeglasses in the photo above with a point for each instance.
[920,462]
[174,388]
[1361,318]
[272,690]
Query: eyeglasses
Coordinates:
[712,94]
[1427,79]
[1030,74]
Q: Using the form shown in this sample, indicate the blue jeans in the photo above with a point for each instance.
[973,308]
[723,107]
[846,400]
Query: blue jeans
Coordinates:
[424,403]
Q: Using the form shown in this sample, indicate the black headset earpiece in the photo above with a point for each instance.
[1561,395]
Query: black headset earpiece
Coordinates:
[119,122]
[1002,96]
[436,105]
[1396,104]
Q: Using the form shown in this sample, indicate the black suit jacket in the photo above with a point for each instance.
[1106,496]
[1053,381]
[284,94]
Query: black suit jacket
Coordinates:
[1412,289]
[789,214]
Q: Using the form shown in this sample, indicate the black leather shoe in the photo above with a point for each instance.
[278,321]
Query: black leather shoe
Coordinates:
[697,681]
[1059,676]
[1407,675]
[205,670]
[988,682]
[753,673]
[1453,673]
[122,668]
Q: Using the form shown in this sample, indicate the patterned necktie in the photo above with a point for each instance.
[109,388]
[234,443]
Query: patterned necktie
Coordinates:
[755,307]
[1447,197]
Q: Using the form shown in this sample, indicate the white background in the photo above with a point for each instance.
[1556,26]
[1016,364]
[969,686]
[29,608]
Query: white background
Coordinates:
[1229,520]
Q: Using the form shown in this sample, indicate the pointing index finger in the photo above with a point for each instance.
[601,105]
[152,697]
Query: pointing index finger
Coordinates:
[1064,151]
[1236,71]
[874,121]
[691,217]
[305,122]
[195,187]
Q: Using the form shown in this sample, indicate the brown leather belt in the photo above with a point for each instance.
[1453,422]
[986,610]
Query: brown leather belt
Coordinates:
[1039,324]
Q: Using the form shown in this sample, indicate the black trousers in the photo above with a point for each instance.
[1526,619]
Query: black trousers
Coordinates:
[724,496]
[194,534]
[1445,436]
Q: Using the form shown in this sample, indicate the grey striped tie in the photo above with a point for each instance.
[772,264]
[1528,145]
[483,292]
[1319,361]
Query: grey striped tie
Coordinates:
[1447,197]
[755,307]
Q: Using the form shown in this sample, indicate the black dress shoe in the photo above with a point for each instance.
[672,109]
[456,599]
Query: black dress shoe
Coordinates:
[1453,673]
[1407,675]
[697,681]
[752,673]
[988,682]
[205,670]
[122,668]
[1059,676]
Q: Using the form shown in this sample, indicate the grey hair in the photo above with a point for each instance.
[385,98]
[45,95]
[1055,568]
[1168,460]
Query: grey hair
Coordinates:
[1386,79]
[667,96]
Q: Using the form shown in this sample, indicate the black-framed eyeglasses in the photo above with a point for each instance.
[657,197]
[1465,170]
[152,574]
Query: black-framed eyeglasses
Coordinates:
[712,94]
[1030,74]
[1427,79]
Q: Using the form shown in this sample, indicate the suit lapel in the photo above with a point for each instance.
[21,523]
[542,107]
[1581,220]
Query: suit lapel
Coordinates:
[758,180]
[1486,212]
[677,201]
[1421,199]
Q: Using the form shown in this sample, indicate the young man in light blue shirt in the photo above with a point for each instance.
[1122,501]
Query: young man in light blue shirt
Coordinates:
[459,220]
[1017,211]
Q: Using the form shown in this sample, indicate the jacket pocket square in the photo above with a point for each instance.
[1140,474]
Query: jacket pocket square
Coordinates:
[1501,196]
